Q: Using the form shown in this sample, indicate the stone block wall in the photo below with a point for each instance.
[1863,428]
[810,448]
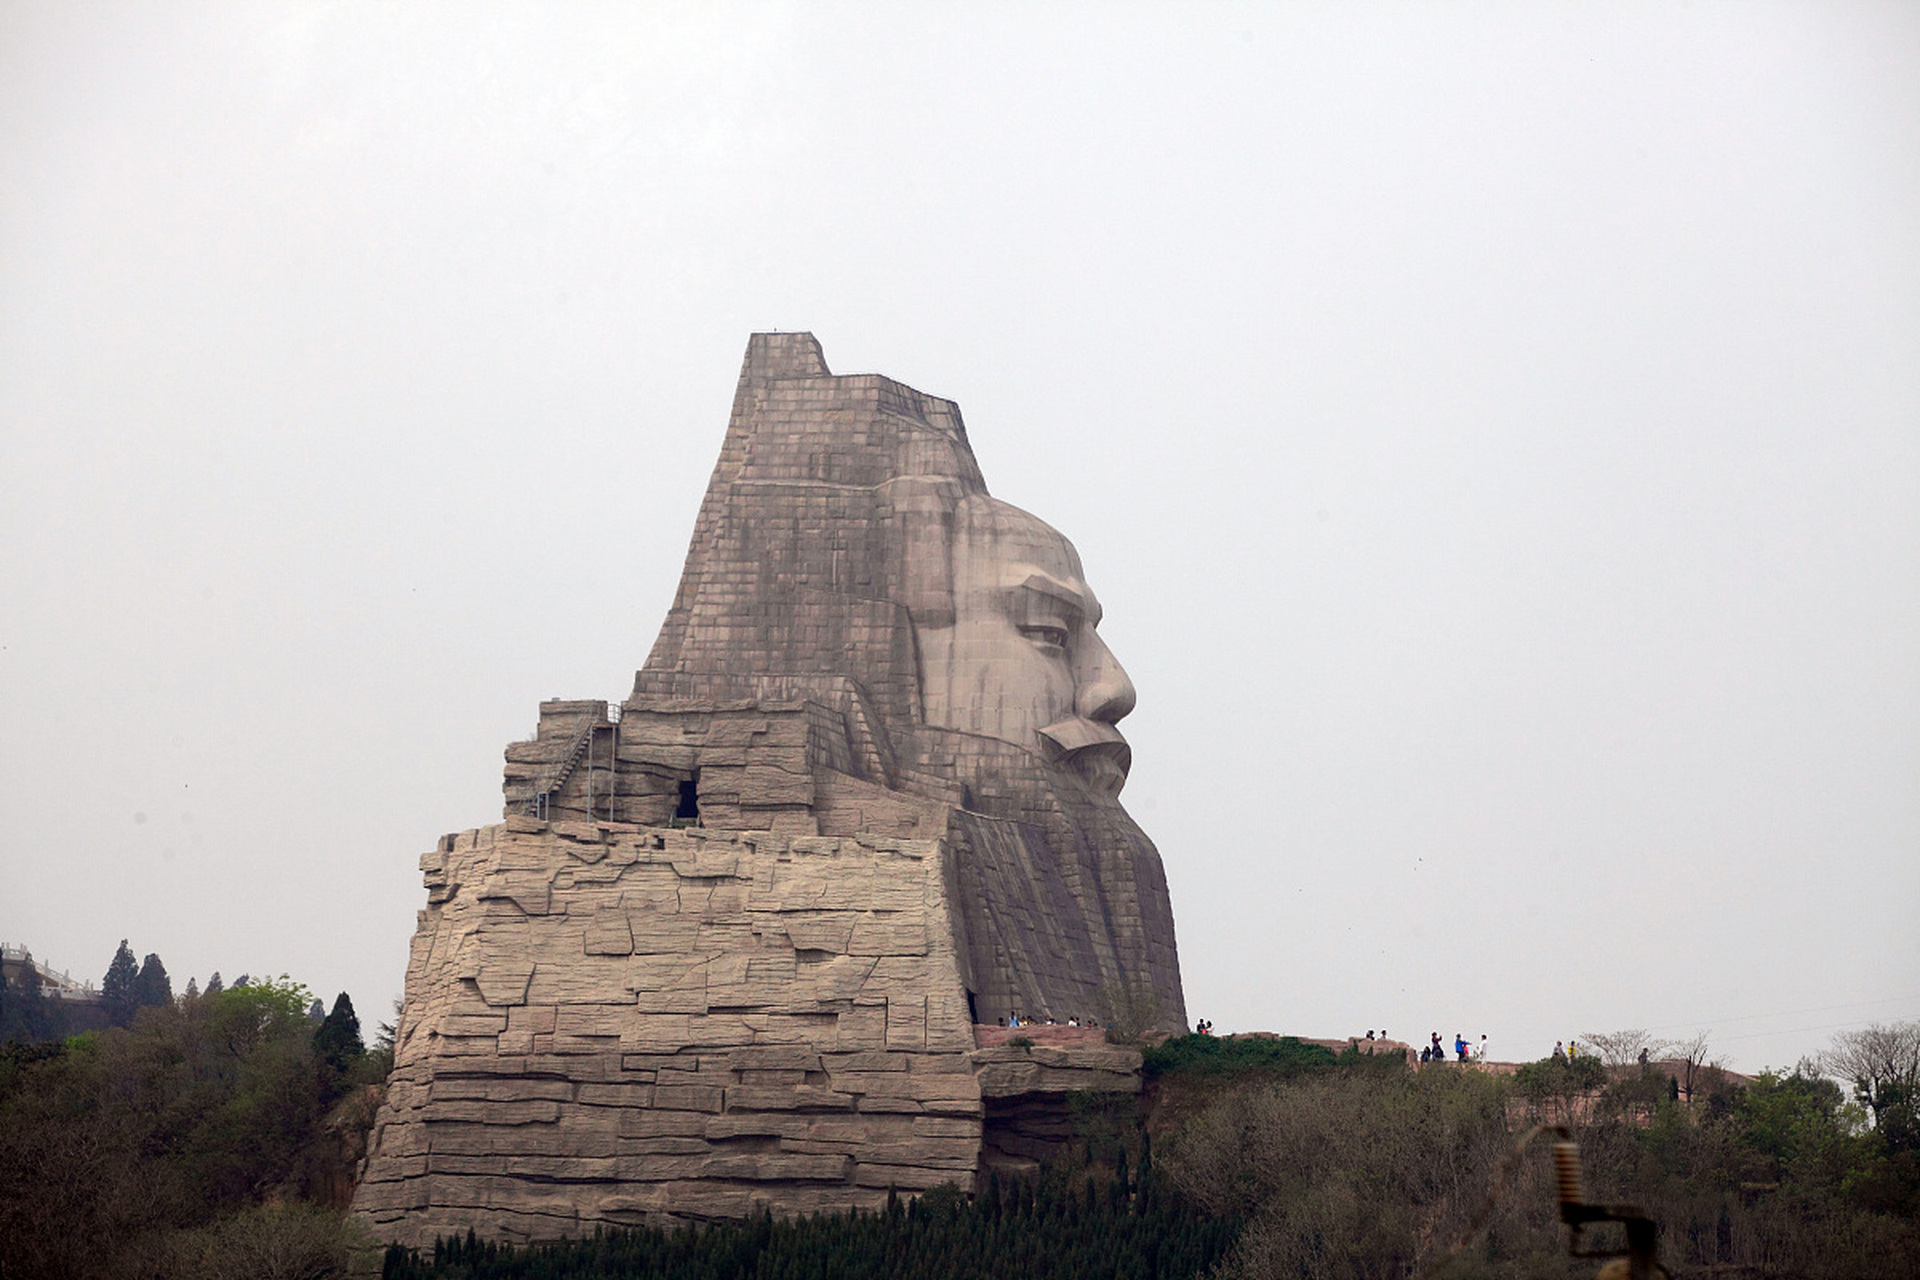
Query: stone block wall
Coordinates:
[612,1024]
[754,765]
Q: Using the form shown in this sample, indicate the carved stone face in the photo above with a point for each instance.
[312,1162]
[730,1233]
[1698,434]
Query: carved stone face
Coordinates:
[1018,658]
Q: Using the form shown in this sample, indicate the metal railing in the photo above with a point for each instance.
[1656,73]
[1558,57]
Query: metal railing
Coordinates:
[59,981]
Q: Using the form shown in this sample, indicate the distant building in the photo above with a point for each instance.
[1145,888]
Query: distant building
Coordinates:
[75,1002]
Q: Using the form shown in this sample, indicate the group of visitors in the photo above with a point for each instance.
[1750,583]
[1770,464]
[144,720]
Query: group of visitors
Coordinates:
[1463,1050]
[1435,1050]
[1018,1019]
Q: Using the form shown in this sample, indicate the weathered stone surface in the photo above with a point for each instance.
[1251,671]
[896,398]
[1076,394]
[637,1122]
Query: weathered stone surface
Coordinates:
[727,948]
[604,1078]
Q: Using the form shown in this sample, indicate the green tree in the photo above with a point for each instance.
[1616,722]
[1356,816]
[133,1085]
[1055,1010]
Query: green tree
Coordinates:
[249,1014]
[1800,1125]
[1883,1065]
[118,990]
[1557,1090]
[1357,1172]
[129,1152]
[151,987]
[384,1033]
[336,1041]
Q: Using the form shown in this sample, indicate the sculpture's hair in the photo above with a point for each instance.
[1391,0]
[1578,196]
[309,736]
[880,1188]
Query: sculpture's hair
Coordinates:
[823,532]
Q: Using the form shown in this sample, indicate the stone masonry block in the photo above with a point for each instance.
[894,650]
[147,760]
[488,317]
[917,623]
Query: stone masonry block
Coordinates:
[791,1098]
[861,1027]
[689,1097]
[883,936]
[906,1022]
[609,934]
[504,981]
[774,1058]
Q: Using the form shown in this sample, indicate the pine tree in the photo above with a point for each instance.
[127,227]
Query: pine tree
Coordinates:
[214,985]
[193,990]
[336,1041]
[152,989]
[117,990]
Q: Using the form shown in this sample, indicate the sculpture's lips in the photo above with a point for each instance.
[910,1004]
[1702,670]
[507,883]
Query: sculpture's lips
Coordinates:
[1092,749]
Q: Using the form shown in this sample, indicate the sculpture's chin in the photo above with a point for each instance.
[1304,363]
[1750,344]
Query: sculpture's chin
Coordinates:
[1103,775]
[1103,768]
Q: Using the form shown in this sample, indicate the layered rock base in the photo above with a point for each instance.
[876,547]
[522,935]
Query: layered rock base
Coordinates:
[624,1025]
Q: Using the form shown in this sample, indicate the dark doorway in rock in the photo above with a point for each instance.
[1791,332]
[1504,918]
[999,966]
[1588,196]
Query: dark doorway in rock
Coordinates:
[689,809]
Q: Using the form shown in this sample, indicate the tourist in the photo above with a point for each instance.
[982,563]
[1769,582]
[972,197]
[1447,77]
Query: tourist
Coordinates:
[1459,1046]
[1559,1051]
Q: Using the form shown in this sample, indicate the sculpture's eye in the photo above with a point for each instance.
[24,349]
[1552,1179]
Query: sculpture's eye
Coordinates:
[1047,637]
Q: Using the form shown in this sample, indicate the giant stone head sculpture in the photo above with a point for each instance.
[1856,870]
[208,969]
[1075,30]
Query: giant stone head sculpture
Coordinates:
[1016,656]
[848,558]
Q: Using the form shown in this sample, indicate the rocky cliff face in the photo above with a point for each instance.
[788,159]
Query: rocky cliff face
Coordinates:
[615,1024]
[729,948]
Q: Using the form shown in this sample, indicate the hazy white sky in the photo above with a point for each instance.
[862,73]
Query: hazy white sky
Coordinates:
[1493,430]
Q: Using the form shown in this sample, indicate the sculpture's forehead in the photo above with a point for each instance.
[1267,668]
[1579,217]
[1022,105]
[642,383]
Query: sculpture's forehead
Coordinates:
[1009,550]
[999,531]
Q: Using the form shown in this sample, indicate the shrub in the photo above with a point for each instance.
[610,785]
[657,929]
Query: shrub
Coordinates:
[1235,1055]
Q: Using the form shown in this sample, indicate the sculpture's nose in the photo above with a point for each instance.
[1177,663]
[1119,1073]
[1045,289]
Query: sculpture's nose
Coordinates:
[1103,692]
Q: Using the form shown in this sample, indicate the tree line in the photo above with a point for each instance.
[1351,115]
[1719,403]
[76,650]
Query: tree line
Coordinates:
[29,1015]
[1379,1169]
[1276,1158]
[214,1133]
[1065,1224]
